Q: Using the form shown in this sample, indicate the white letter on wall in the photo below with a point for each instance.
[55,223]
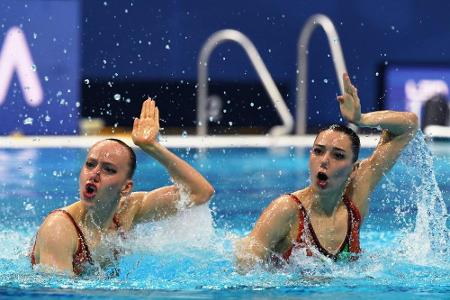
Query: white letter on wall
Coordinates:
[15,55]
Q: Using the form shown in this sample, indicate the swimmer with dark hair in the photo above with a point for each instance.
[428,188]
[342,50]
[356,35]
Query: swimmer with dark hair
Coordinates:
[324,219]
[84,235]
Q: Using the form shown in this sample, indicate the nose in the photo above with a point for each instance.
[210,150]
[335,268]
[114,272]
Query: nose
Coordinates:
[325,161]
[95,175]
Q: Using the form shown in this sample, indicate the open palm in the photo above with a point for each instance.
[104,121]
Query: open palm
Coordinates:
[349,102]
[146,127]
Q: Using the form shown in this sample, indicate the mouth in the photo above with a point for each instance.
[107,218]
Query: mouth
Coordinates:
[90,190]
[322,180]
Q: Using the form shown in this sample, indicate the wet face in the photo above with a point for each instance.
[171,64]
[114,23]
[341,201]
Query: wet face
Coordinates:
[103,178]
[331,161]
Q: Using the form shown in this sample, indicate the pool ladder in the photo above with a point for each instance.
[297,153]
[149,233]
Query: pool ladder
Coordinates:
[280,105]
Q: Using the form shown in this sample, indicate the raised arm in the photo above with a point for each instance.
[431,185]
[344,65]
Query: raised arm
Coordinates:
[398,128]
[164,201]
[273,226]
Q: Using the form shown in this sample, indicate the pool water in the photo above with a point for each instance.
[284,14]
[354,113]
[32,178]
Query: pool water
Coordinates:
[404,238]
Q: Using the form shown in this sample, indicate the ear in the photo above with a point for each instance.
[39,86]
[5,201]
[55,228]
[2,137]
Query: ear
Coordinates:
[127,188]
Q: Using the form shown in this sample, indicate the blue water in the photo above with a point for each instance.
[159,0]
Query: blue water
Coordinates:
[404,238]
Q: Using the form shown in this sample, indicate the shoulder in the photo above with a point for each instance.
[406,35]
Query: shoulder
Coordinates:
[57,230]
[285,205]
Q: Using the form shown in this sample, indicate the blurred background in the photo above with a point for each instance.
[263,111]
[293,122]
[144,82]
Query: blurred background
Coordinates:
[84,67]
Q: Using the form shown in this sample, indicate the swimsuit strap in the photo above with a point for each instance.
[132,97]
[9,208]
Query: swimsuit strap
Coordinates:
[82,254]
[354,245]
[118,226]
[301,226]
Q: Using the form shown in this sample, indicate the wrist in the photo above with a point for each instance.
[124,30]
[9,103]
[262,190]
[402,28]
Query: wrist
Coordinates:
[361,122]
[152,148]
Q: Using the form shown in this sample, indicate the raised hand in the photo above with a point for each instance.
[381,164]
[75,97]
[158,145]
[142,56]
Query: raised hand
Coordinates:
[349,102]
[146,128]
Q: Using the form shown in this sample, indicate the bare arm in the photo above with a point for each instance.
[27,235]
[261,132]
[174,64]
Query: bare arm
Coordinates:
[273,225]
[163,202]
[398,128]
[56,242]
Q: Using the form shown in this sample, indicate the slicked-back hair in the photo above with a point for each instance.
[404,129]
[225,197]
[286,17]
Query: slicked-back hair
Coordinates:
[132,162]
[354,138]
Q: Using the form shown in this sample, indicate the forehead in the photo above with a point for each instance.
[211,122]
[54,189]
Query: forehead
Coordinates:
[331,138]
[109,151]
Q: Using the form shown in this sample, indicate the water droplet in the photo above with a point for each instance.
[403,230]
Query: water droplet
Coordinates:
[33,67]
[46,78]
[117,97]
[34,35]
[325,80]
[86,81]
[47,118]
[77,104]
[376,74]
[184,134]
[230,123]
[28,121]
[167,47]
[252,104]
[128,100]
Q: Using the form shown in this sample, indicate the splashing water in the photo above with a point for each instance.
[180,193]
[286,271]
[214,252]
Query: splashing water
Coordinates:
[428,242]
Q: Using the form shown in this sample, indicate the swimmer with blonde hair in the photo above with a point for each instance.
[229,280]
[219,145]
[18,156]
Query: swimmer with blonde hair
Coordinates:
[74,238]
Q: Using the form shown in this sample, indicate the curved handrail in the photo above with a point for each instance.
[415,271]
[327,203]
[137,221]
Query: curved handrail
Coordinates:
[257,62]
[302,48]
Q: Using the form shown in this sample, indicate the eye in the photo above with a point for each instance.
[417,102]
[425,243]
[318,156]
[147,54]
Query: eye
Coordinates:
[339,156]
[317,151]
[90,164]
[110,170]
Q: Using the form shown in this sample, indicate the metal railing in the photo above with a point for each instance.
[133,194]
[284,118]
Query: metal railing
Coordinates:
[257,62]
[302,47]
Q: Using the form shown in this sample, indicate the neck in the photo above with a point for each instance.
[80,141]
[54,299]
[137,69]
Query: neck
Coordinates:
[98,218]
[327,203]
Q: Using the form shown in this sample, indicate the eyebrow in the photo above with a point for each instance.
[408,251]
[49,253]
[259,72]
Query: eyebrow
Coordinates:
[103,162]
[334,148]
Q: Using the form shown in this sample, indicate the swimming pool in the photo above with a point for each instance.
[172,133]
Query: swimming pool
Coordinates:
[404,238]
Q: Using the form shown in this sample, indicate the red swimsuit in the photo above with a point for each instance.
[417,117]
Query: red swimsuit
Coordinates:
[349,246]
[82,255]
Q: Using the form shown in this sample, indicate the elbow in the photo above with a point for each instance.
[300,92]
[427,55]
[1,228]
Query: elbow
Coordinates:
[413,122]
[204,196]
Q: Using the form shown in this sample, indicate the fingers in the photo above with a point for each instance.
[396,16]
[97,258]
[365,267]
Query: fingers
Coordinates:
[143,110]
[156,114]
[349,88]
[136,123]
[347,84]
[151,108]
[148,109]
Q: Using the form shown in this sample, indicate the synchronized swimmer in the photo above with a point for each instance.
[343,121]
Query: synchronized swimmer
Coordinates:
[322,219]
[74,238]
